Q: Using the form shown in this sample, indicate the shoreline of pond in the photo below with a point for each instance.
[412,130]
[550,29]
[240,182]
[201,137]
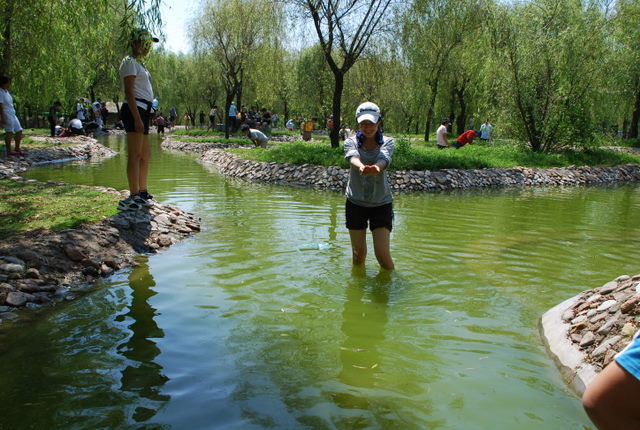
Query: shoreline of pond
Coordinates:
[40,267]
[335,178]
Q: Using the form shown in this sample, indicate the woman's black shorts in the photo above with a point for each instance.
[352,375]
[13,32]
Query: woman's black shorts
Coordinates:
[129,123]
[359,216]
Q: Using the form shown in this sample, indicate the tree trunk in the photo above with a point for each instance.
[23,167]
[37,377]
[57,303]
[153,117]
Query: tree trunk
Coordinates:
[429,119]
[238,88]
[452,105]
[286,111]
[337,100]
[633,130]
[5,64]
[462,116]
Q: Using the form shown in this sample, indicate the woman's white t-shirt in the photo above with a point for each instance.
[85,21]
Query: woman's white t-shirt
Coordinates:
[142,85]
[440,135]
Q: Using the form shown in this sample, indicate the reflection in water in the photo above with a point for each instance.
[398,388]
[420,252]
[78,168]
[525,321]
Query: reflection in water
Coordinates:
[142,376]
[363,325]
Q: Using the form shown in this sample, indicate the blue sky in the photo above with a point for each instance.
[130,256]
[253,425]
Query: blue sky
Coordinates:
[175,14]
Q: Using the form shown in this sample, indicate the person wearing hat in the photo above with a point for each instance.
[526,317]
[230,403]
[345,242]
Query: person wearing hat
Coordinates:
[441,134]
[369,200]
[136,115]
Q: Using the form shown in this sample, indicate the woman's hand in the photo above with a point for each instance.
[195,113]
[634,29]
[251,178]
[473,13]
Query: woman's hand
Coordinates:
[370,170]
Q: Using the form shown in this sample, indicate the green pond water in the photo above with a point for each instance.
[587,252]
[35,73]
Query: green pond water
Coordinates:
[246,326]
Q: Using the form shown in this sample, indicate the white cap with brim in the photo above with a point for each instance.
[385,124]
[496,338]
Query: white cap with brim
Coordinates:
[368,111]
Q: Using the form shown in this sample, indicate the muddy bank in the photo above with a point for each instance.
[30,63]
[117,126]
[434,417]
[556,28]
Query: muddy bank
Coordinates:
[42,266]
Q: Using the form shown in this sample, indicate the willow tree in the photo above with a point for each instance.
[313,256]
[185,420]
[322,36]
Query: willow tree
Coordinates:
[431,30]
[550,52]
[344,29]
[63,49]
[627,52]
[232,31]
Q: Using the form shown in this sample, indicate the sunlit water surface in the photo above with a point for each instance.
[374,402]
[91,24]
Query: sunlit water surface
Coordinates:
[246,326]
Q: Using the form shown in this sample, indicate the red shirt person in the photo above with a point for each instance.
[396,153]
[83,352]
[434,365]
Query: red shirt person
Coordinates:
[466,137]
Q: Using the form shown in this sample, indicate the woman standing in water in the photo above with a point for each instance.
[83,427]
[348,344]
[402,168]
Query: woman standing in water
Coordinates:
[136,115]
[369,200]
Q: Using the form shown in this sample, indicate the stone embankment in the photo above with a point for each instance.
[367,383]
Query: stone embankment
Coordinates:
[585,332]
[335,178]
[38,267]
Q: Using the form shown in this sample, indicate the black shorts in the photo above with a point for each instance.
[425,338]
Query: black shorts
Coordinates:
[359,216]
[129,123]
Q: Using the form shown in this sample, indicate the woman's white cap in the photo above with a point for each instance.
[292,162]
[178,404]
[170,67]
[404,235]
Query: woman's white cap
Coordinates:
[368,111]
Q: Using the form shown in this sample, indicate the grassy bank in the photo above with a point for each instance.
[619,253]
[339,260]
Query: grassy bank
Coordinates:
[29,206]
[410,156]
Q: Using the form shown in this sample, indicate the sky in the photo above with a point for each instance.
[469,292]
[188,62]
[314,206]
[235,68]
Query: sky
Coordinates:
[175,14]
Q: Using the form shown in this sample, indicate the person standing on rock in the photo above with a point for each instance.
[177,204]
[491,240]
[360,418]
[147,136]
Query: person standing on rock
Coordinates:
[369,200]
[8,119]
[136,115]
[611,399]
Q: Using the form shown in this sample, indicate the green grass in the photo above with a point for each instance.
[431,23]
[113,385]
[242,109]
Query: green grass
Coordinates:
[221,139]
[420,156]
[29,206]
[318,153]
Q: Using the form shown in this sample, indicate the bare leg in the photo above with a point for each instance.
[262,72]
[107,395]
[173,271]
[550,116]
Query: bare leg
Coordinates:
[18,139]
[145,157]
[381,243]
[358,246]
[134,154]
[7,141]
[611,400]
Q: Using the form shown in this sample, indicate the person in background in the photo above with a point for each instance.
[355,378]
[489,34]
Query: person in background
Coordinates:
[213,118]
[173,114]
[231,115]
[307,129]
[465,138]
[470,121]
[611,399]
[257,137]
[104,114]
[441,134]
[80,110]
[76,126]
[290,124]
[274,119]
[160,122]
[344,132]
[187,120]
[136,116]
[97,113]
[201,118]
[52,117]
[8,119]
[485,131]
[368,193]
